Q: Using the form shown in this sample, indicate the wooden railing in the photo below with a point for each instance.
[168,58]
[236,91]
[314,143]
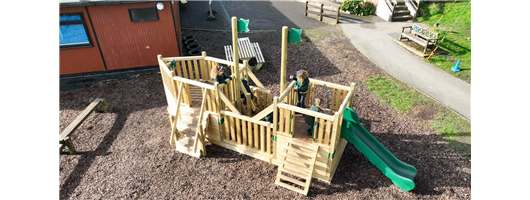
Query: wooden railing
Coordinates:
[321,7]
[327,126]
[243,131]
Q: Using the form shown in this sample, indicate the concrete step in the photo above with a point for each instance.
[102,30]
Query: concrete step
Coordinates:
[401,7]
[402,12]
[401,18]
[401,3]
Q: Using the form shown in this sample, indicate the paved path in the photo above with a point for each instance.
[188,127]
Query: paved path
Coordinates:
[377,44]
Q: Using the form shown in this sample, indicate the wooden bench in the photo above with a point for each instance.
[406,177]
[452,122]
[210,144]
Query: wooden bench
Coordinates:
[64,137]
[247,51]
[420,35]
[321,7]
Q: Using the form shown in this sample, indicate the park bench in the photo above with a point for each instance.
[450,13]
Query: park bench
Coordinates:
[320,7]
[247,51]
[420,35]
[64,137]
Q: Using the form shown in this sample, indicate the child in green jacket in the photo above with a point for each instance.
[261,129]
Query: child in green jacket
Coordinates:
[310,119]
[301,86]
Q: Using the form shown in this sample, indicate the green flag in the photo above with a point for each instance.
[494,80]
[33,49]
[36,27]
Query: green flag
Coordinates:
[294,35]
[242,25]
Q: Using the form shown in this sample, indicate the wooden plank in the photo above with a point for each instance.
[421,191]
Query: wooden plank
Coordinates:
[79,119]
[269,142]
[192,82]
[217,60]
[296,158]
[330,85]
[287,91]
[327,133]
[256,136]
[243,150]
[181,58]
[184,69]
[332,105]
[262,135]
[320,130]
[337,100]
[232,129]
[282,120]
[243,117]
[345,103]
[295,166]
[229,104]
[291,187]
[305,111]
[196,69]
[226,122]
[205,74]
[292,180]
[244,132]
[292,149]
[238,130]
[263,113]
[294,173]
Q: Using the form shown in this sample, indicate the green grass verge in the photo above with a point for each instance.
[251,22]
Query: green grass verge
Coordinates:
[457,43]
[450,126]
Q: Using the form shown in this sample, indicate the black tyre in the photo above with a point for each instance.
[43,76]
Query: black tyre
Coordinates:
[193,46]
[188,37]
[195,52]
[190,41]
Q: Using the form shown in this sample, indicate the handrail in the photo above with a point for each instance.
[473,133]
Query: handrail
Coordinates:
[305,111]
[263,113]
[174,127]
[287,90]
[246,118]
[199,125]
[228,103]
[208,58]
[247,96]
[182,58]
[331,85]
[253,88]
[192,82]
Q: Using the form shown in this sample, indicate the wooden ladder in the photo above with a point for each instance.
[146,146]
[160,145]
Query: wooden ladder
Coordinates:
[297,159]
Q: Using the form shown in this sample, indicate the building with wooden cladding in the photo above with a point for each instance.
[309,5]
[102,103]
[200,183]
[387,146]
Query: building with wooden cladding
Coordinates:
[110,35]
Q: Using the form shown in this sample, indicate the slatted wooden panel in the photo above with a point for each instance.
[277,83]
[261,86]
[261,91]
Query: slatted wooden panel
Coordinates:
[245,132]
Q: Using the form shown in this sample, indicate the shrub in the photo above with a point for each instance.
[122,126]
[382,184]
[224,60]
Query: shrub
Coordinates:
[361,8]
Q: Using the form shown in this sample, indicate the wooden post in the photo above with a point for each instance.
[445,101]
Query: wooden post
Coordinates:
[235,55]
[274,127]
[321,11]
[283,59]
[205,74]
[338,15]
[305,14]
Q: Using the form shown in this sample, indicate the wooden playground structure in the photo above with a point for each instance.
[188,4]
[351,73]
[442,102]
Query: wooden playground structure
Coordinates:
[201,110]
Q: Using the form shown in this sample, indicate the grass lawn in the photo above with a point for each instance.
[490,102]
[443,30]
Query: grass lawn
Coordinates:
[450,126]
[457,43]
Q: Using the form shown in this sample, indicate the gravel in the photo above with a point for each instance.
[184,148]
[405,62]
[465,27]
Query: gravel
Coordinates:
[125,154]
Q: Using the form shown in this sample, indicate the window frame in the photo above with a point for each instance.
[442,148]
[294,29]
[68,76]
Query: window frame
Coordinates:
[144,20]
[73,22]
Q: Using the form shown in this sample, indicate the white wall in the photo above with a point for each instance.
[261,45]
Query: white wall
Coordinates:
[383,11]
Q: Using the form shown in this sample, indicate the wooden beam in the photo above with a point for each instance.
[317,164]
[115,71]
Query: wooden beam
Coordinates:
[286,91]
[263,113]
[305,111]
[79,119]
[182,58]
[217,60]
[243,117]
[331,85]
[283,59]
[228,103]
[192,82]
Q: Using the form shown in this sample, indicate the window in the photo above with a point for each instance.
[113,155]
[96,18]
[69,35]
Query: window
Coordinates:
[143,14]
[73,32]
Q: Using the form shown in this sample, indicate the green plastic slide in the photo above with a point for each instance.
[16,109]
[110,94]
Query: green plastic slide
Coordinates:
[401,174]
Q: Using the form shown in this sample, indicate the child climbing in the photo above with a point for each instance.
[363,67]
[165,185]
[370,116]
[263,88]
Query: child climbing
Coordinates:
[301,86]
[220,77]
[218,73]
[310,119]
